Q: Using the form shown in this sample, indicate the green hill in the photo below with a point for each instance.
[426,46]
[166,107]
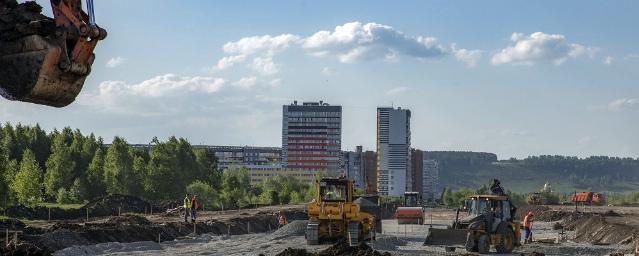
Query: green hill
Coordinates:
[565,174]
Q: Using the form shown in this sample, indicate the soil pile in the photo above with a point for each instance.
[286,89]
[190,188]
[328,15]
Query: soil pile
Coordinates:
[129,219]
[24,19]
[11,224]
[114,204]
[341,248]
[541,213]
[593,228]
[293,228]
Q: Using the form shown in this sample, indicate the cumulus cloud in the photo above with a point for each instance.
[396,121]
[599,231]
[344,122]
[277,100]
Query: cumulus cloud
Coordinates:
[470,57]
[275,82]
[608,60]
[348,43]
[327,71]
[623,104]
[115,61]
[397,90]
[540,47]
[162,85]
[263,44]
[246,82]
[230,61]
[355,41]
[264,65]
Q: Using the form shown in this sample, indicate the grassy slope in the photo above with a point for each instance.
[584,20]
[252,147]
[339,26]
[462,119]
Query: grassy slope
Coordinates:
[522,179]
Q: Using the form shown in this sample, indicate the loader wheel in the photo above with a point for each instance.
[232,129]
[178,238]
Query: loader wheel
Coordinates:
[483,245]
[471,245]
[506,241]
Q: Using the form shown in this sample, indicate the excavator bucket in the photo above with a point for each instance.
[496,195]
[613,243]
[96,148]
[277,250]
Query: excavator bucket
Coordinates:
[449,237]
[30,72]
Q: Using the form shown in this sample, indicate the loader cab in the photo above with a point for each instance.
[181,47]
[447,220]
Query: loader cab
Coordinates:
[412,199]
[499,205]
[334,190]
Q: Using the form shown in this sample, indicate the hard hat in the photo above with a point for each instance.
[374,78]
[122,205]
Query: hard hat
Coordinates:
[530,213]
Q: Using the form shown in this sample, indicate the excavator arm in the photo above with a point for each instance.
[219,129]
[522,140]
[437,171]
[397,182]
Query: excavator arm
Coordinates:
[49,61]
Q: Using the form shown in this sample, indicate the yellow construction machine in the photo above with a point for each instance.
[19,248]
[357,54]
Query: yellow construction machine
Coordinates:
[44,60]
[333,214]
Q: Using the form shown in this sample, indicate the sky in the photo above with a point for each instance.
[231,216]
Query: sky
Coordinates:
[515,78]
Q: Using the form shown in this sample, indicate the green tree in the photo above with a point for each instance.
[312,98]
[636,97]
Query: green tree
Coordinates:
[28,181]
[236,184]
[206,195]
[95,176]
[60,167]
[172,166]
[118,167]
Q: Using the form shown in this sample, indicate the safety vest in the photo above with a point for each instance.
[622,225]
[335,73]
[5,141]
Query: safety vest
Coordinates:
[194,203]
[187,203]
[282,219]
[527,221]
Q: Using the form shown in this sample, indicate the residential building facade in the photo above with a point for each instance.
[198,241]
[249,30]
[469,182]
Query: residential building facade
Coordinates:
[354,166]
[312,137]
[394,175]
[430,180]
[245,156]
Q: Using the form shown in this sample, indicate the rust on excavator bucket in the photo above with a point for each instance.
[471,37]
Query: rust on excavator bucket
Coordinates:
[438,236]
[30,72]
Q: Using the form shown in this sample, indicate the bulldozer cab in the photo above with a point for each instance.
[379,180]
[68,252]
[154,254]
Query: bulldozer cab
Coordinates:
[334,190]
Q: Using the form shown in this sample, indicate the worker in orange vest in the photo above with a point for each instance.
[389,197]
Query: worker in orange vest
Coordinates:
[281,220]
[528,227]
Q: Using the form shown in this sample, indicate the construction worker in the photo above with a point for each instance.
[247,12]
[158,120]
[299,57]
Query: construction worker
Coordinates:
[187,208]
[281,220]
[528,227]
[193,208]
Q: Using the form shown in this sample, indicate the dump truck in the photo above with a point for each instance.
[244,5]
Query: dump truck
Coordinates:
[411,211]
[489,222]
[333,214]
[589,198]
[46,60]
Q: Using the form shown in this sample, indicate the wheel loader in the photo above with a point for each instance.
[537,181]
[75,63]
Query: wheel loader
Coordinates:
[490,222]
[333,214]
[43,60]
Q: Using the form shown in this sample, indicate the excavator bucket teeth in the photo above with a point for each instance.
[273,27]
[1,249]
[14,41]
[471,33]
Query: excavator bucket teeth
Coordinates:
[30,72]
[437,236]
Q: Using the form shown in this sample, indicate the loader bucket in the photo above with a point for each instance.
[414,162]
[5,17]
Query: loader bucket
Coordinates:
[438,236]
[30,72]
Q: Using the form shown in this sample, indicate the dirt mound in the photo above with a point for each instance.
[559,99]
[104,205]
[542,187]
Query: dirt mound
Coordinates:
[129,219]
[24,19]
[541,213]
[11,224]
[593,228]
[113,204]
[293,228]
[340,248]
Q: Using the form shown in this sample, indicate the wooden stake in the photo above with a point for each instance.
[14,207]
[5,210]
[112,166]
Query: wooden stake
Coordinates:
[119,211]
[49,214]
[159,241]
[87,214]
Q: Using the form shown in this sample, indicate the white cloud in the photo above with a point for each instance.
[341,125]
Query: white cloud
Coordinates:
[540,47]
[348,43]
[230,61]
[263,44]
[355,41]
[115,61]
[470,57]
[585,140]
[327,71]
[265,65]
[509,132]
[397,90]
[608,60]
[162,85]
[632,56]
[246,82]
[622,104]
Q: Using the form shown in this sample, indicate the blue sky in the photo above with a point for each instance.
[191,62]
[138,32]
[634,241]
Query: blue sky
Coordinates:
[516,78]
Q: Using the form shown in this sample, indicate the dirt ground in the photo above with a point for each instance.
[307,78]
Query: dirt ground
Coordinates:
[599,231]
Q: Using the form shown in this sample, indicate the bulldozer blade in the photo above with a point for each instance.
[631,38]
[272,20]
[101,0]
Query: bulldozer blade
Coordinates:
[438,236]
[30,72]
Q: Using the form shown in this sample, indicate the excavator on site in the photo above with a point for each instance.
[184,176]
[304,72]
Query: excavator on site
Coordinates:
[46,60]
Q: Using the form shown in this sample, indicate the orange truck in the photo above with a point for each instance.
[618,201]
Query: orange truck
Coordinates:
[590,198]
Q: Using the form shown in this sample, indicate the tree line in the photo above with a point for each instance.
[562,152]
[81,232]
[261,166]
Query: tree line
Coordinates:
[67,166]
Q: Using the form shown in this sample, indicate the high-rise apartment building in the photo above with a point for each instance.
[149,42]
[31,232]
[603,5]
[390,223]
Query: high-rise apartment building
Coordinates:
[430,180]
[312,137]
[394,175]
[354,167]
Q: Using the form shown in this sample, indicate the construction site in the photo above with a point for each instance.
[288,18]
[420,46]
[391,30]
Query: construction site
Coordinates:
[334,211]
[106,227]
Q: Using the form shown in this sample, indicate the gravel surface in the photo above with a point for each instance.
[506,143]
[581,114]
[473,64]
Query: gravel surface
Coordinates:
[294,228]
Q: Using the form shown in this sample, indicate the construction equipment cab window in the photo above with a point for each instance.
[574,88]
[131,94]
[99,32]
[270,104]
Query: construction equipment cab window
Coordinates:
[333,192]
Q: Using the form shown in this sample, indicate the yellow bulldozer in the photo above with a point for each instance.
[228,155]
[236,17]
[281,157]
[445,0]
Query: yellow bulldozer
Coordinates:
[333,214]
